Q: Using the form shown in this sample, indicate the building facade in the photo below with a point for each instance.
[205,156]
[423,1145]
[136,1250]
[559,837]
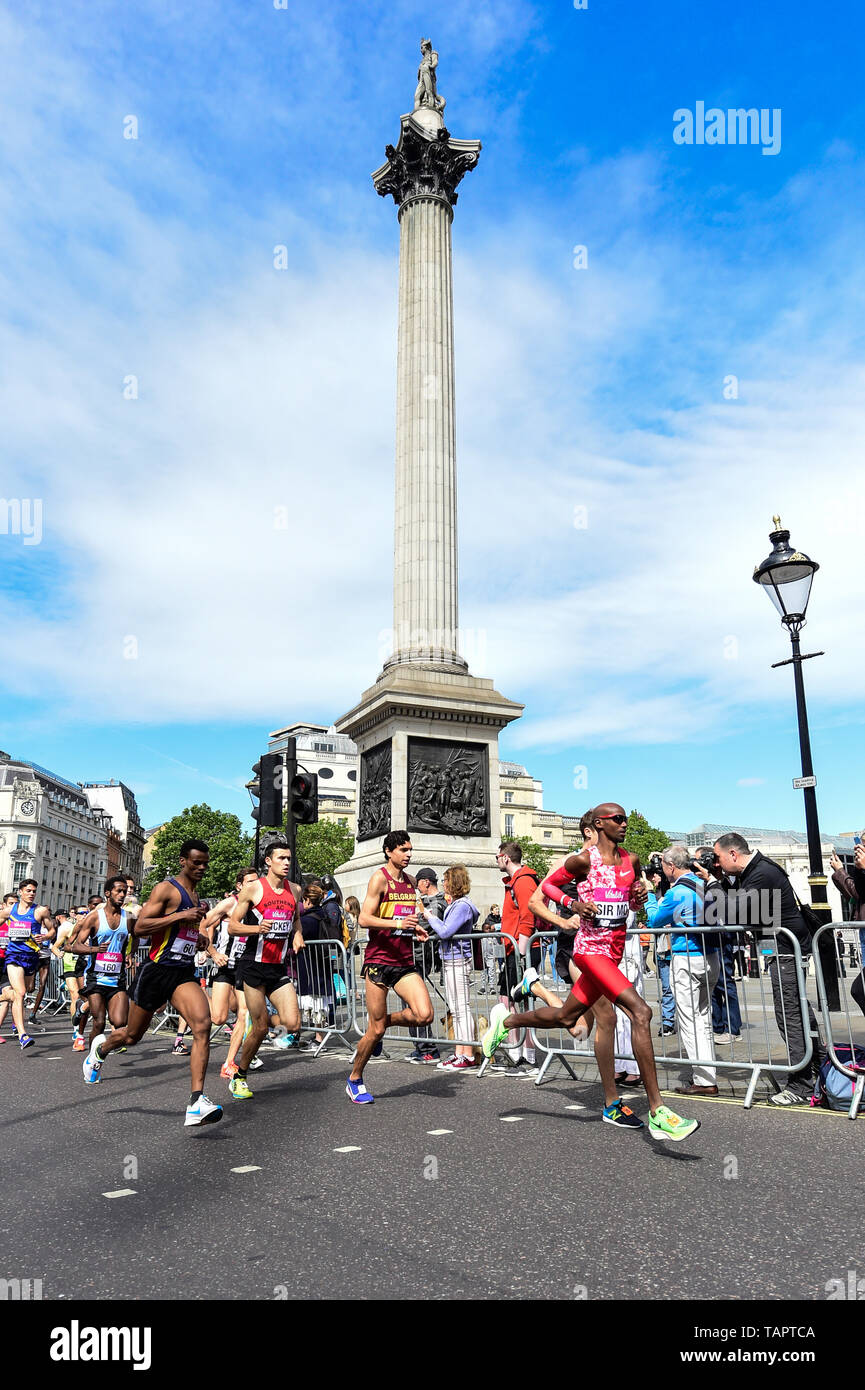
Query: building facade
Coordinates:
[118,801]
[49,831]
[54,831]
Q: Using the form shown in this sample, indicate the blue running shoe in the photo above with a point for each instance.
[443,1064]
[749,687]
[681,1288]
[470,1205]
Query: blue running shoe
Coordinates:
[92,1064]
[377,1050]
[523,990]
[356,1091]
[26,1041]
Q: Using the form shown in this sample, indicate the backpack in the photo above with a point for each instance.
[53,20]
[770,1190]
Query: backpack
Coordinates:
[346,928]
[833,1088]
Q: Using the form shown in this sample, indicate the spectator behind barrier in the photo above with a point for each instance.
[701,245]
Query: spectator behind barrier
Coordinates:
[726,1014]
[453,930]
[695,965]
[427,962]
[766,902]
[852,886]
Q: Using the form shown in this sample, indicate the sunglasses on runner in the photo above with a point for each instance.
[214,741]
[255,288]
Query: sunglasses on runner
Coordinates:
[620,820]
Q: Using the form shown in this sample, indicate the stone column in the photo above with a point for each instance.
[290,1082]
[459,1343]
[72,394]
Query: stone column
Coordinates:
[427,731]
[421,174]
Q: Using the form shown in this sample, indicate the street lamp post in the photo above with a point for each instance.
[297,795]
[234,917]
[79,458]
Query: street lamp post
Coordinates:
[786,576]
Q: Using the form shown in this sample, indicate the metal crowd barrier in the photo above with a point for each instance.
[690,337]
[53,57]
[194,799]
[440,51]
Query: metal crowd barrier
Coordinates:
[55,997]
[768,1031]
[461,994]
[323,979]
[834,1035]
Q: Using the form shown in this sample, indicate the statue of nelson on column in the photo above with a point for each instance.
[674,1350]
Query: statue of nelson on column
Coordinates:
[425,92]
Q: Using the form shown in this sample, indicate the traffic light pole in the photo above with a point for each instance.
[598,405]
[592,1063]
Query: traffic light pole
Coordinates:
[290,829]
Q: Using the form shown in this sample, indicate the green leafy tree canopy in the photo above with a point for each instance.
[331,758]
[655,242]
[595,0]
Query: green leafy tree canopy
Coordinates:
[321,848]
[642,838]
[534,855]
[230,849]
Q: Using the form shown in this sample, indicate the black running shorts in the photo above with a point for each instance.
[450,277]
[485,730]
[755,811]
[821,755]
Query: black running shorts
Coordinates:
[225,975]
[270,978]
[154,984]
[388,975]
[108,991]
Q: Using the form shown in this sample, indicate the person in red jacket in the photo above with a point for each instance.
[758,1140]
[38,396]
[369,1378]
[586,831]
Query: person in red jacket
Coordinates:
[518,922]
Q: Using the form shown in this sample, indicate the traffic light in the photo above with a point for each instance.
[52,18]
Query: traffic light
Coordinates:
[303,798]
[268,788]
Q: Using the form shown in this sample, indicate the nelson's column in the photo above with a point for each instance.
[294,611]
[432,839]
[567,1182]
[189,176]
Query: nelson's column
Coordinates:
[427,730]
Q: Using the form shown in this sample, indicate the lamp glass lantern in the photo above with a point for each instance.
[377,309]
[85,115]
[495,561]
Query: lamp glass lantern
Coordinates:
[786,576]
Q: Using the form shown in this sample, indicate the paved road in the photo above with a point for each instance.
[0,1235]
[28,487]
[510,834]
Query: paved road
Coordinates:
[549,1205]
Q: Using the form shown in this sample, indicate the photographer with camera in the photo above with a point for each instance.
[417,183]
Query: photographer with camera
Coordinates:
[726,1014]
[695,964]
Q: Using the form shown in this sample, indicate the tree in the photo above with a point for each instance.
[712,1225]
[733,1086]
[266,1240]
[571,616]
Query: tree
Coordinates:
[534,855]
[643,839]
[230,849]
[321,847]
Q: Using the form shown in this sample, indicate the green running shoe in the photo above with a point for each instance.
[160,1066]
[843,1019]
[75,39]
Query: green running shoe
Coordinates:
[495,1034]
[664,1124]
[239,1089]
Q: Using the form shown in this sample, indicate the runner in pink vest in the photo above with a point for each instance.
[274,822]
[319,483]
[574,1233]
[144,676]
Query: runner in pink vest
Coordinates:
[605,882]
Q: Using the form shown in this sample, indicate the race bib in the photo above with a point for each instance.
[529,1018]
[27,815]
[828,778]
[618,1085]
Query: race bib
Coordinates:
[109,962]
[611,913]
[185,943]
[279,926]
[404,910]
[17,933]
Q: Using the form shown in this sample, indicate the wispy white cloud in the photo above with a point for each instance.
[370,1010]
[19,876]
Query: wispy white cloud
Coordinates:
[267,397]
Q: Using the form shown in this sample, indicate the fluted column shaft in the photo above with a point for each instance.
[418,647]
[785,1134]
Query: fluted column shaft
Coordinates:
[426,614]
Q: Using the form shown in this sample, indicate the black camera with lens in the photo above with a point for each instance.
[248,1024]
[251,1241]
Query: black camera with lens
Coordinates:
[704,860]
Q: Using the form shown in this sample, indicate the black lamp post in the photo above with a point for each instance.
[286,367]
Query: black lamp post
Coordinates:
[786,576]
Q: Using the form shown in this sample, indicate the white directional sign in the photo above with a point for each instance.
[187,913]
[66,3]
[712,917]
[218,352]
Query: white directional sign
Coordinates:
[804,781]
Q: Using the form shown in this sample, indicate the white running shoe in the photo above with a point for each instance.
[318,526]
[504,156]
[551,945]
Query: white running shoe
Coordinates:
[203,1112]
[92,1064]
[255,1064]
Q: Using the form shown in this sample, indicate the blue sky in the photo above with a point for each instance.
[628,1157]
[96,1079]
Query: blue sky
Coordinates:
[163,626]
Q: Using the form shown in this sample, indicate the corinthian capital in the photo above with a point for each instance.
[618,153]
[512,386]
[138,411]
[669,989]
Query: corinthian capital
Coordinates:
[425,163]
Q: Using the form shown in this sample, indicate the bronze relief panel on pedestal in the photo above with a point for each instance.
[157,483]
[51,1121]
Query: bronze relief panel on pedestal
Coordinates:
[448,787]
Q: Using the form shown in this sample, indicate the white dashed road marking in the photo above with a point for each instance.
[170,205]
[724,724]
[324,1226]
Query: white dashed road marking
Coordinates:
[575,1107]
[439,1131]
[510,1119]
[121,1192]
[248,1168]
[349,1149]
